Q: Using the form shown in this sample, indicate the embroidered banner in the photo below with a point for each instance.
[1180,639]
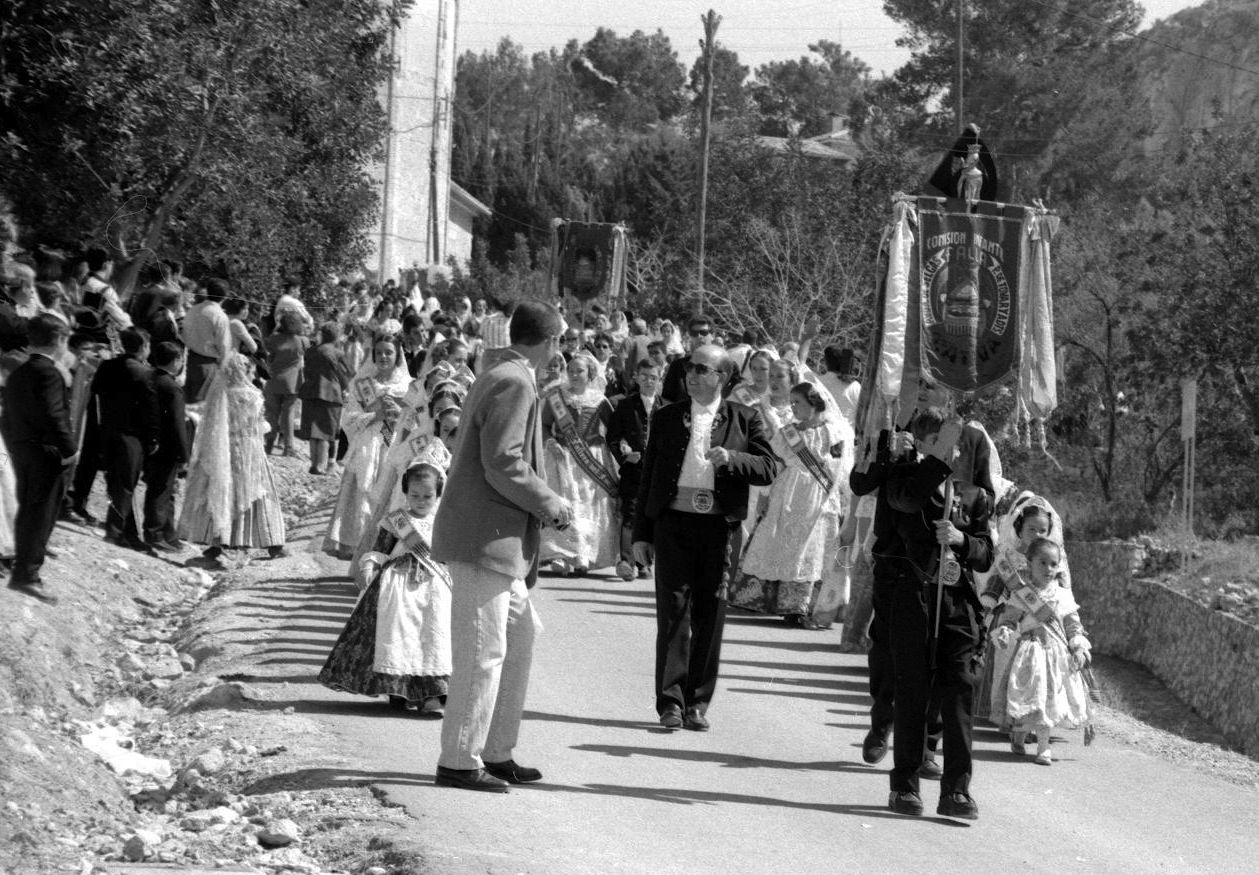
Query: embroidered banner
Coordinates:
[968,271]
[576,444]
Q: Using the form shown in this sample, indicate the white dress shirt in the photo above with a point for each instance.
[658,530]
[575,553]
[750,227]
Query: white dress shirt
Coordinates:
[697,471]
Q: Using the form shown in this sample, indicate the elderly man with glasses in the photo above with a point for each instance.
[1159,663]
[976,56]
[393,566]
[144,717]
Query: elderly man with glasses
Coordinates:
[699,331]
[701,457]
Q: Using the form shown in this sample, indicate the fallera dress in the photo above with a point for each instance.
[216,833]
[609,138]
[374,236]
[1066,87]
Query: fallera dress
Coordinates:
[397,641]
[592,540]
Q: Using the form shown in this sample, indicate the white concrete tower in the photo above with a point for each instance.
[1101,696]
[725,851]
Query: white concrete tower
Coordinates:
[415,175]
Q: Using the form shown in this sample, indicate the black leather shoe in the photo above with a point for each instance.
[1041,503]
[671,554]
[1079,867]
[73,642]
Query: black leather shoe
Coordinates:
[905,802]
[930,769]
[469,779]
[671,717]
[874,747]
[35,589]
[695,720]
[512,773]
[87,518]
[958,804]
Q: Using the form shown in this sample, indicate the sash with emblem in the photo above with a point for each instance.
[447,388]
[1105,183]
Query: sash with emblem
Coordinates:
[572,438]
[807,457]
[398,523]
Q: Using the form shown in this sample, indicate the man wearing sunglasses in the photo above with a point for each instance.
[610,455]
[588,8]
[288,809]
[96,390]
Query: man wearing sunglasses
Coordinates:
[702,455]
[700,331]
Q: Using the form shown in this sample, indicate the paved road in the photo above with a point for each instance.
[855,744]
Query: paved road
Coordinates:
[777,784]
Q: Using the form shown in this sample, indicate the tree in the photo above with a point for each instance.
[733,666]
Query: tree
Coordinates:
[629,82]
[1026,66]
[730,96]
[200,129]
[799,97]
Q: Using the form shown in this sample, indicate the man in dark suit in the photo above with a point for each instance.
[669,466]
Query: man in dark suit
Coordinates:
[627,438]
[126,403]
[37,431]
[701,457]
[173,450]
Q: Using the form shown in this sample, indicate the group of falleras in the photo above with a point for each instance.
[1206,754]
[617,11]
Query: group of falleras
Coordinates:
[714,471]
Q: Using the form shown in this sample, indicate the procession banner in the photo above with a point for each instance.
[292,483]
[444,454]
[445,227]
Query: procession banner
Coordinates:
[966,292]
[571,437]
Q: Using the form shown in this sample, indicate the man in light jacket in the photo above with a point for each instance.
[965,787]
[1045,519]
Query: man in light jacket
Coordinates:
[488,536]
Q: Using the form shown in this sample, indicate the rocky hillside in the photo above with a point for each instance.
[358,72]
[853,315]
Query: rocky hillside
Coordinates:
[1210,77]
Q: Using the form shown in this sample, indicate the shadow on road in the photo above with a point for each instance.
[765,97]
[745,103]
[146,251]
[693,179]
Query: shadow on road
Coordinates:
[725,760]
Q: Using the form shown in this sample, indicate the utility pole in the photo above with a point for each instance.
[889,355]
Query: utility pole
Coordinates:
[711,20]
[961,59]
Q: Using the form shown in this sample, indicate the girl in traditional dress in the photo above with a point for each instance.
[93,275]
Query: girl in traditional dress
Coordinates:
[397,640]
[783,565]
[579,467]
[371,411]
[754,385]
[1028,519]
[1040,650]
[231,501]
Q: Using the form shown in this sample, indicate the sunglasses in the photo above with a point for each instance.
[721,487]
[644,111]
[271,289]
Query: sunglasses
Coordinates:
[700,370]
[701,332]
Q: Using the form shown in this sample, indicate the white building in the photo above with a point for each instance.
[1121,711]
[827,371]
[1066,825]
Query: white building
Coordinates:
[425,218]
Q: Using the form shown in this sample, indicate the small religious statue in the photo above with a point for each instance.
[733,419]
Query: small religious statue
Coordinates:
[967,171]
[970,180]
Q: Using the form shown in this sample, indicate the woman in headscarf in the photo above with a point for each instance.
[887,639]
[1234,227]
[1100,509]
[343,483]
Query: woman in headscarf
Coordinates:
[231,501]
[783,566]
[579,466]
[368,419]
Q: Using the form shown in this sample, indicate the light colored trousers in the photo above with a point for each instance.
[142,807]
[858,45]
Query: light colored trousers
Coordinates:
[492,627]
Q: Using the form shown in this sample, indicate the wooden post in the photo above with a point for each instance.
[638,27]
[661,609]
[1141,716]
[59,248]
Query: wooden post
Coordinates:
[961,59]
[711,20]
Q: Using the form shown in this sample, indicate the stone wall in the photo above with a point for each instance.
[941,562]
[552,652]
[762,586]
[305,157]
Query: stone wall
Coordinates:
[1209,659]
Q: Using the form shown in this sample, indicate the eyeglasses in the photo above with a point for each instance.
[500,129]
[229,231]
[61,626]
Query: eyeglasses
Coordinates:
[700,370]
[701,332]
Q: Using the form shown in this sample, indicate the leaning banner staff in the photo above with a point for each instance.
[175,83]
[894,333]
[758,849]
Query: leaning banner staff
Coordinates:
[575,442]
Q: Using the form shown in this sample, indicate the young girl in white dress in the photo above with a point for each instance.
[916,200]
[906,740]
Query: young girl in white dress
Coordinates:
[368,419]
[397,641]
[593,539]
[1039,652]
[783,564]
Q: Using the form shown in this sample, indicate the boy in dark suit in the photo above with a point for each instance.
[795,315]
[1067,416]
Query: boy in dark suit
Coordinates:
[627,438]
[173,450]
[127,406]
[37,431]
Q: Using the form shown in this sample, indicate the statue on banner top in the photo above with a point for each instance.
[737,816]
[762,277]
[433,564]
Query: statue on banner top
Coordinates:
[967,171]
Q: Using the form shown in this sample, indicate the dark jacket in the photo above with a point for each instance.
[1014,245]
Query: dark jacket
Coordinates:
[123,389]
[285,359]
[325,374]
[36,408]
[913,491]
[737,428]
[173,442]
[629,424]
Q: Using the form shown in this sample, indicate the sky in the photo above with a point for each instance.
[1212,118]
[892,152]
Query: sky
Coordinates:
[759,30]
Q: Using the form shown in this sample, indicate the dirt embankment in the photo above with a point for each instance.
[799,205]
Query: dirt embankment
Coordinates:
[115,745]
